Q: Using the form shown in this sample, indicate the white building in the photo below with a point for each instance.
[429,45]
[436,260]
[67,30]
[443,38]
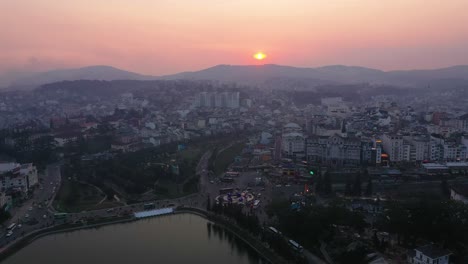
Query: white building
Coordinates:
[393,146]
[334,150]
[293,145]
[419,148]
[429,254]
[459,193]
[218,99]
[15,176]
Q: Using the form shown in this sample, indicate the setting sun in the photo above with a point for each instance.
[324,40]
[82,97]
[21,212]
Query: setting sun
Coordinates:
[259,55]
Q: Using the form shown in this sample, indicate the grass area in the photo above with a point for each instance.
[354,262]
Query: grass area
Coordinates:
[76,197]
[192,153]
[429,190]
[226,157]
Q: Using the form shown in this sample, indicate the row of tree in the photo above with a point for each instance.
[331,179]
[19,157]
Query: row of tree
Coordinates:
[323,185]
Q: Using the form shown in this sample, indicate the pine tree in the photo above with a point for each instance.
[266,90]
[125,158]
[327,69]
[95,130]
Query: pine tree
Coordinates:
[327,186]
[208,203]
[348,191]
[319,184]
[357,186]
[369,187]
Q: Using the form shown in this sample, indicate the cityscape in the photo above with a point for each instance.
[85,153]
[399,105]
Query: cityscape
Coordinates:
[246,162]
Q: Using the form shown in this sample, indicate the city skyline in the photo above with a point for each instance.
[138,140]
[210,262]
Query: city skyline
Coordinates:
[163,38]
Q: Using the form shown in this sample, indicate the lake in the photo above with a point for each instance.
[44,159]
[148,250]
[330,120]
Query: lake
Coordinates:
[178,238]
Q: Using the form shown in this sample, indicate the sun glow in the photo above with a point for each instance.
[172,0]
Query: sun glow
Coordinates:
[259,56]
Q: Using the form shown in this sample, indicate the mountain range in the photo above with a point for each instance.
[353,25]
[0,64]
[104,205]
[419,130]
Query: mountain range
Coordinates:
[260,74]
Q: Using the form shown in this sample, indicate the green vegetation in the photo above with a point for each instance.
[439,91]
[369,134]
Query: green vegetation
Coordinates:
[39,151]
[4,215]
[442,222]
[76,197]
[225,157]
[314,223]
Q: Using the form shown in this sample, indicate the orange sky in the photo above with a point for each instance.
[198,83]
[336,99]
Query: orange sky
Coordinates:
[168,36]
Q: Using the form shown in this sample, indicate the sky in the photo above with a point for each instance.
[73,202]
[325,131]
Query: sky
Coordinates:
[167,36]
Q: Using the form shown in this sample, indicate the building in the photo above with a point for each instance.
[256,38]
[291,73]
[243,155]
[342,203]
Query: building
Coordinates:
[419,148]
[334,151]
[429,254]
[218,99]
[459,193]
[14,176]
[293,145]
[393,145]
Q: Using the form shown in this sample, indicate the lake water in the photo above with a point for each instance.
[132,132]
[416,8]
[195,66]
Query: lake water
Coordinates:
[179,238]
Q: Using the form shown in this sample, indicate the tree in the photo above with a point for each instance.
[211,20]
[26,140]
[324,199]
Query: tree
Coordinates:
[327,186]
[357,185]
[319,183]
[208,203]
[348,191]
[445,187]
[369,188]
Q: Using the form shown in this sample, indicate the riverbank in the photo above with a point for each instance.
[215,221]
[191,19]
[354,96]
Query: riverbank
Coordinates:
[259,248]
[247,238]
[31,237]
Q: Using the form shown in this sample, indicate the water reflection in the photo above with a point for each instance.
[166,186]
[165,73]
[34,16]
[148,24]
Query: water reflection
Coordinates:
[181,238]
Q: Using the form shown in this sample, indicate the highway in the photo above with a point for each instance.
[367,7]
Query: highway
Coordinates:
[35,213]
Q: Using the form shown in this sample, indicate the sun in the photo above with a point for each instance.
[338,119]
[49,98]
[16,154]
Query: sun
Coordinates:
[259,55]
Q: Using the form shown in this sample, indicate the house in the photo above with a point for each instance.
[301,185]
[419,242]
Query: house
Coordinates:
[66,138]
[459,193]
[429,254]
[335,150]
[14,176]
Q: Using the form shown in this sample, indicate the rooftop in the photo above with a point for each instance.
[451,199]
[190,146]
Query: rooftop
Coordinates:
[433,251]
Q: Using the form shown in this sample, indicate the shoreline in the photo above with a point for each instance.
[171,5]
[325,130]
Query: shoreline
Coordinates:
[31,237]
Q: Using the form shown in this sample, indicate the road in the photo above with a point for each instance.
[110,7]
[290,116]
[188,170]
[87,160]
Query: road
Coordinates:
[37,212]
[31,213]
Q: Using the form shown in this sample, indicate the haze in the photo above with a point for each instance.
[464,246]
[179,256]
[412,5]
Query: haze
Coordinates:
[162,37]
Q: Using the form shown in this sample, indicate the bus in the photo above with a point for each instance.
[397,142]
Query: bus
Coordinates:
[256,203]
[149,206]
[60,216]
[227,179]
[11,227]
[294,245]
[231,174]
[226,190]
[274,230]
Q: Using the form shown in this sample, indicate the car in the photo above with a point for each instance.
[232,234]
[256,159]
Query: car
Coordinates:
[26,215]
[41,188]
[44,216]
[19,225]
[9,234]
[211,182]
[51,183]
[30,209]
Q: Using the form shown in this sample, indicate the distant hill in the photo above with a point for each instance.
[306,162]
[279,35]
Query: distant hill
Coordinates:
[268,75]
[103,73]
[258,74]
